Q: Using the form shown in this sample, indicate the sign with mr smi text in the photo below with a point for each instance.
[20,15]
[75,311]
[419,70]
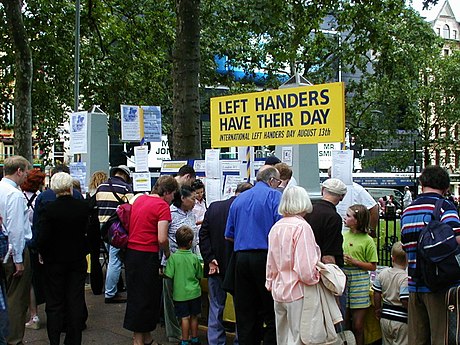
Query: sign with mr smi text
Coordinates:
[299,115]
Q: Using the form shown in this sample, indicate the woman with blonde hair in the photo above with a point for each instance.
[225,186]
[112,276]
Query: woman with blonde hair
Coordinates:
[95,276]
[291,262]
[97,178]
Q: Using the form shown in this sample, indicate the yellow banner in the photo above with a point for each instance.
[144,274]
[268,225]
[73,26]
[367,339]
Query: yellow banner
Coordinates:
[299,115]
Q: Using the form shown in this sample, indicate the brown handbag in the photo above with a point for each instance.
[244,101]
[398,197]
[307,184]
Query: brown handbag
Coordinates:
[452,334]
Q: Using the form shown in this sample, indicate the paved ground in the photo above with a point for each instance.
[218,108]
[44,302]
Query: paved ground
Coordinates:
[105,326]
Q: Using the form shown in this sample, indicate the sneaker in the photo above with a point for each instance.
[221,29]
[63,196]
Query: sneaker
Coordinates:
[34,323]
[116,299]
[195,341]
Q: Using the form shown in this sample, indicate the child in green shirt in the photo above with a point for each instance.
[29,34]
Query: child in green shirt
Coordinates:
[185,269]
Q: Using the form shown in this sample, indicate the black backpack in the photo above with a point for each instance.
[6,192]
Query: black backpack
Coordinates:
[438,254]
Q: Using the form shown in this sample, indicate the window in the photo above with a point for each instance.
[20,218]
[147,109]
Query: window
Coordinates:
[446,52]
[438,31]
[454,34]
[8,150]
[446,31]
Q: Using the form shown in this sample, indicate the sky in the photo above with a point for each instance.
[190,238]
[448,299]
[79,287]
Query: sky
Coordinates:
[433,11]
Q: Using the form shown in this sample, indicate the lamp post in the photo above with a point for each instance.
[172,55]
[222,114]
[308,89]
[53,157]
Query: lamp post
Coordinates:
[415,168]
[77,56]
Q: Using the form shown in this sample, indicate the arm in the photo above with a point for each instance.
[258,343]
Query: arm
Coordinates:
[365,266]
[306,254]
[269,272]
[404,294]
[374,219]
[377,288]
[16,222]
[328,259]
[163,241]
[230,227]
[378,304]
[205,240]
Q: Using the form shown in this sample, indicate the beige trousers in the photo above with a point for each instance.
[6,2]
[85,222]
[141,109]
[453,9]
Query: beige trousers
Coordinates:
[287,316]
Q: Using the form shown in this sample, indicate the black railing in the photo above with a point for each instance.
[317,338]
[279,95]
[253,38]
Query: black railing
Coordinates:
[387,235]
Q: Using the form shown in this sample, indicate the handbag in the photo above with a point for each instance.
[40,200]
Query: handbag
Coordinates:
[452,333]
[345,337]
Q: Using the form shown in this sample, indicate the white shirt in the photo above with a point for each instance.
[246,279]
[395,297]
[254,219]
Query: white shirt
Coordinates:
[407,200]
[356,194]
[13,209]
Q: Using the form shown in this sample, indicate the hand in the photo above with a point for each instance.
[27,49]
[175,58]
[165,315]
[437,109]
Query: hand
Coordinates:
[19,270]
[213,267]
[40,259]
[348,259]
[378,313]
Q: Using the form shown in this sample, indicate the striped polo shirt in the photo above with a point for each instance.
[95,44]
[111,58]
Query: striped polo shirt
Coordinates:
[106,201]
[414,219]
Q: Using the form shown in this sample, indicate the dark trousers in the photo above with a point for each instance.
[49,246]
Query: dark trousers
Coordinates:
[254,305]
[65,300]
[95,277]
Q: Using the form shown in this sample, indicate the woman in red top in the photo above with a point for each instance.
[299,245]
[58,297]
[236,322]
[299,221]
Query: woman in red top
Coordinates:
[148,233]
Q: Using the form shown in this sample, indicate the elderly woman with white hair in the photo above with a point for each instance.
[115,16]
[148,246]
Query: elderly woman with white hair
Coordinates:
[291,262]
[62,245]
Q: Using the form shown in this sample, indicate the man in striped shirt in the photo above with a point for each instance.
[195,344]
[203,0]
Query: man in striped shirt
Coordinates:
[427,310]
[115,191]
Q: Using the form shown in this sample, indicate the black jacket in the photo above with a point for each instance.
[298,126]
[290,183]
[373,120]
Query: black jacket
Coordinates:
[212,240]
[62,226]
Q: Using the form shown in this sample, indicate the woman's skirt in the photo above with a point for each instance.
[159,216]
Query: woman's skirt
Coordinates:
[143,288]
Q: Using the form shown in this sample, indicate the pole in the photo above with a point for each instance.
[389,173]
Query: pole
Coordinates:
[415,168]
[77,56]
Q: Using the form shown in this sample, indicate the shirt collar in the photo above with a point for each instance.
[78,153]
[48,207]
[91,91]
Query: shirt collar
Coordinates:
[10,182]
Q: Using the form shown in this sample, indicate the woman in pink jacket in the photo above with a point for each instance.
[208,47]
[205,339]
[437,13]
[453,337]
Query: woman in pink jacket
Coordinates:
[291,262]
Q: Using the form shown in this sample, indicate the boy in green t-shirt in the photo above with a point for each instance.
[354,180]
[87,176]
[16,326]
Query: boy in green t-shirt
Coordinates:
[185,269]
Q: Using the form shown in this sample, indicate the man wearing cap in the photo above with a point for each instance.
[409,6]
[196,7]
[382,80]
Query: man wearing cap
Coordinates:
[327,223]
[115,191]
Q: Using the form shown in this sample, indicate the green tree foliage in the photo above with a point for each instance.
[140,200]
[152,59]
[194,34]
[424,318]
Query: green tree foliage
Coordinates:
[23,78]
[128,48]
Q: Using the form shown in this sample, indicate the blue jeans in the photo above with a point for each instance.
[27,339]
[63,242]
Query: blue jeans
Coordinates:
[217,298]
[3,326]
[113,272]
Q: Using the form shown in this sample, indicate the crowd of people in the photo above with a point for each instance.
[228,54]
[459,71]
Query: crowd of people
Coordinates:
[268,245]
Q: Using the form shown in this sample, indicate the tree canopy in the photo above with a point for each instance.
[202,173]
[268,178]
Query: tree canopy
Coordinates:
[128,47]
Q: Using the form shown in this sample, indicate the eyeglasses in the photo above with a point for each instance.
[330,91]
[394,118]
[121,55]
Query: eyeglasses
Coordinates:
[276,182]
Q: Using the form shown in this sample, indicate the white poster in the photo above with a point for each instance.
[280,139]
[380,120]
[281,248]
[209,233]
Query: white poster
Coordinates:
[141,182]
[213,190]
[152,123]
[159,151]
[78,171]
[199,165]
[130,123]
[230,184]
[78,132]
[325,154]
[286,156]
[342,166]
[212,163]
[141,158]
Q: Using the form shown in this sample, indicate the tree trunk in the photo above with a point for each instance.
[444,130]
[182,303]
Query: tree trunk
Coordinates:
[186,67]
[23,85]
